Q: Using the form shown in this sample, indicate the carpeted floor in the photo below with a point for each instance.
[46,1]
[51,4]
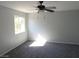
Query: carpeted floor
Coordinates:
[50,50]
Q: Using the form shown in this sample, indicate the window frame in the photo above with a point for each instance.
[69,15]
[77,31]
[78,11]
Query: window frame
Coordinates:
[20,29]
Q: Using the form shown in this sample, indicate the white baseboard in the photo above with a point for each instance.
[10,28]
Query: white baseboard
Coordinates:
[65,42]
[10,49]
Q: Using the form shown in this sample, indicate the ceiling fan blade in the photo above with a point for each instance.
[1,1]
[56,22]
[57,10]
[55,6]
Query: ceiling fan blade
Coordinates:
[49,10]
[38,11]
[51,7]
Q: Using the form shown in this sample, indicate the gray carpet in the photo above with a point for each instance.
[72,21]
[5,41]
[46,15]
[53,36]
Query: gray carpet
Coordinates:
[50,50]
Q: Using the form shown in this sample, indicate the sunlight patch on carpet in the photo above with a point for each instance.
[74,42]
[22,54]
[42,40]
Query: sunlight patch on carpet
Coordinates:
[39,41]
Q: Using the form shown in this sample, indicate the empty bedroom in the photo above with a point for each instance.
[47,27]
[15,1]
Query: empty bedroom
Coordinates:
[39,29]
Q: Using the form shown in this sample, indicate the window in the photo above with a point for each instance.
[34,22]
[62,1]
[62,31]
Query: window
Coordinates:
[19,24]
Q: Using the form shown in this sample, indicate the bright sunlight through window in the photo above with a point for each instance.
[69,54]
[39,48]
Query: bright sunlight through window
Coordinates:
[19,24]
[39,41]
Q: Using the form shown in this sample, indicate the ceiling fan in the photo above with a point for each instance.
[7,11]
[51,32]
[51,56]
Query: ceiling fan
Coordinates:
[42,7]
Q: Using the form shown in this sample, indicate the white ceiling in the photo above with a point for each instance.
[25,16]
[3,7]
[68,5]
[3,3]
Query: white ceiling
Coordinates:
[29,6]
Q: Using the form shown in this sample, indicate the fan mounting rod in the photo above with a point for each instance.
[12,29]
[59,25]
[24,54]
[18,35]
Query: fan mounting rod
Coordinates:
[41,2]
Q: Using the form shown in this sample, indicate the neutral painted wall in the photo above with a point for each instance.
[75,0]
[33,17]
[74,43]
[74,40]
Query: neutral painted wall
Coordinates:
[8,39]
[60,27]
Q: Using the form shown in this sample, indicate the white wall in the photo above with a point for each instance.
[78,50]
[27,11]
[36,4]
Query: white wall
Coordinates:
[8,39]
[60,27]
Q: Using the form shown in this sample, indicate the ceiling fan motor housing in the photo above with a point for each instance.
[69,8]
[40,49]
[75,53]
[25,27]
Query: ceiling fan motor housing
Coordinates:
[41,7]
